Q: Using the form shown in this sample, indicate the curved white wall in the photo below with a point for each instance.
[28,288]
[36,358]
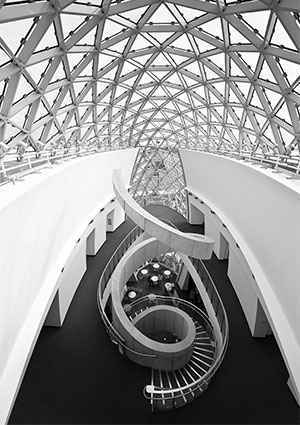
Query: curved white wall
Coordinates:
[41,219]
[262,212]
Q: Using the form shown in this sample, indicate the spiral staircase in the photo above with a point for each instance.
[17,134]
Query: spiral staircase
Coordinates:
[179,387]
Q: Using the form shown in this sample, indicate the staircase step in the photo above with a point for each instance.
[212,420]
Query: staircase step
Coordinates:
[196,365]
[203,356]
[204,350]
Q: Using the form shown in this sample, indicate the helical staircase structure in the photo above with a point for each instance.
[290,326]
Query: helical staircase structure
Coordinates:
[181,371]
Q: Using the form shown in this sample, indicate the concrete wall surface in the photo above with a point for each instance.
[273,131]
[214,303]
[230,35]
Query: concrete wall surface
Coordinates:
[41,220]
[261,210]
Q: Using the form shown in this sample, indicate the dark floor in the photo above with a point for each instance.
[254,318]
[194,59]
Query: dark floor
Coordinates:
[76,376]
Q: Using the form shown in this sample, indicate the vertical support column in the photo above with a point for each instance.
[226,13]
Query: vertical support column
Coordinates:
[68,283]
[241,278]
[221,247]
[97,237]
[115,217]
[195,215]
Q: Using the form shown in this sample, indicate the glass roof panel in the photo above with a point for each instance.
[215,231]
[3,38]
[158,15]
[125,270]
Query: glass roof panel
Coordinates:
[166,72]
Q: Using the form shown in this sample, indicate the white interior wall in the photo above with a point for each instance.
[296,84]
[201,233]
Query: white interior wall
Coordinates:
[241,281]
[41,219]
[221,245]
[261,210]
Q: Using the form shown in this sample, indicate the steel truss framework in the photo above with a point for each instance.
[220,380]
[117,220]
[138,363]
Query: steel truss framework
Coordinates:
[214,74]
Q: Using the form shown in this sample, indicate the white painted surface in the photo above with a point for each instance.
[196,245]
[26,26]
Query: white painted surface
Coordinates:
[41,219]
[72,276]
[195,245]
[221,245]
[242,282]
[262,212]
[195,216]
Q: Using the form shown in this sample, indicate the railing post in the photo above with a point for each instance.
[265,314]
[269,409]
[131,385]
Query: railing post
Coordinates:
[29,161]
[3,168]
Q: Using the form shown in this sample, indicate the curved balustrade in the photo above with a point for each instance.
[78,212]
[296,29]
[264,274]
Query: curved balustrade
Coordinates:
[193,311]
[13,166]
[163,398]
[114,336]
[195,245]
[287,164]
[169,398]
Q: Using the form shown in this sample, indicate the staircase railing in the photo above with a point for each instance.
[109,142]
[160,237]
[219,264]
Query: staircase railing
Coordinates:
[114,336]
[189,308]
[169,398]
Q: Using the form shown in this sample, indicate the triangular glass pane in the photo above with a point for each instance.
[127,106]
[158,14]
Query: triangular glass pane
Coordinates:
[291,69]
[233,97]
[70,23]
[160,60]
[273,97]
[12,37]
[59,73]
[255,101]
[236,37]
[67,100]
[36,71]
[189,81]
[266,73]
[48,40]
[19,118]
[162,15]
[214,28]
[210,74]
[60,118]
[111,28]
[161,37]
[280,36]
[286,136]
[140,43]
[235,70]
[202,45]
[10,131]
[4,57]
[260,119]
[244,88]
[74,59]
[178,59]
[51,97]
[283,113]
[89,38]
[258,20]
[250,58]
[219,60]
[220,87]
[24,88]
[103,60]
[182,42]
[189,14]
[135,14]
[119,47]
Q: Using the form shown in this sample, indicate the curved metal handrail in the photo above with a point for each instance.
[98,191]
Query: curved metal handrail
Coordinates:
[31,162]
[180,303]
[103,281]
[289,165]
[155,393]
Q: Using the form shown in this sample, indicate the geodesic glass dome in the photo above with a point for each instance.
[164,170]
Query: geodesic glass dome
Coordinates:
[218,75]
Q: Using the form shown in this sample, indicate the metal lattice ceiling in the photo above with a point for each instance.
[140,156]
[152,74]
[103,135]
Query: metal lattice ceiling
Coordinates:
[153,74]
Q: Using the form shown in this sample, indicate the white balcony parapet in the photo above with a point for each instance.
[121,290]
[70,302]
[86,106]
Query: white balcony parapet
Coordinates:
[193,245]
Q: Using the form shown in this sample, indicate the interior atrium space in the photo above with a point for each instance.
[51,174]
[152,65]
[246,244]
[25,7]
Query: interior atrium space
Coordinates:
[181,117]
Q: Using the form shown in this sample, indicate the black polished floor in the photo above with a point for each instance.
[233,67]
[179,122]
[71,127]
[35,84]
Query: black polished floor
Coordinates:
[76,376]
